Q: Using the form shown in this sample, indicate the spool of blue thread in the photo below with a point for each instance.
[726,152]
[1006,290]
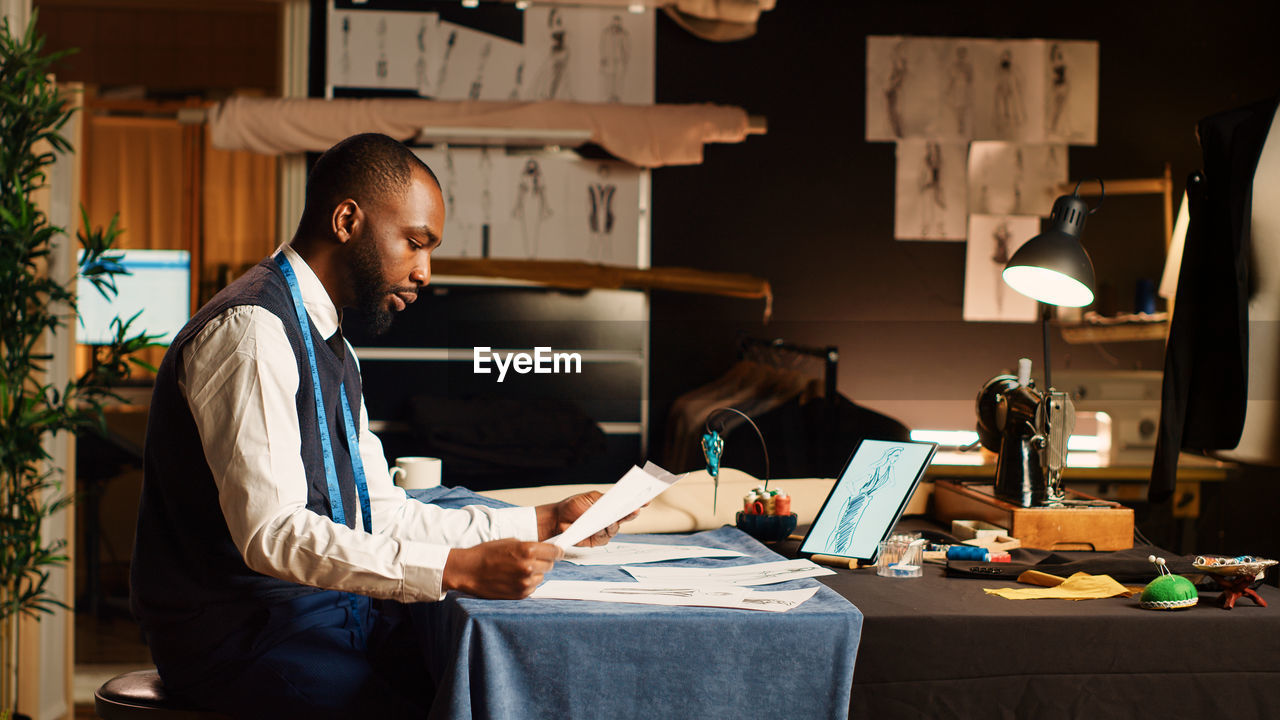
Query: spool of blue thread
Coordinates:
[967,552]
[1144,297]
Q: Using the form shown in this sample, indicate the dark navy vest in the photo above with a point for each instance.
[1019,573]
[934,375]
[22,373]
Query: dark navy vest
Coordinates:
[190,587]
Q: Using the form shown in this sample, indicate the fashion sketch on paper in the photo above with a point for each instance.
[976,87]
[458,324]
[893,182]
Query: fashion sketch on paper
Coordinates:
[615,53]
[999,257]
[1059,93]
[486,200]
[478,82]
[600,213]
[1010,110]
[552,80]
[893,87]
[855,506]
[346,47]
[933,202]
[381,69]
[420,68]
[444,63]
[531,206]
[959,94]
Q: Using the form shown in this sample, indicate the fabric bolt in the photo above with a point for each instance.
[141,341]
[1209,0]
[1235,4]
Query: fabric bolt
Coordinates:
[643,135]
[582,659]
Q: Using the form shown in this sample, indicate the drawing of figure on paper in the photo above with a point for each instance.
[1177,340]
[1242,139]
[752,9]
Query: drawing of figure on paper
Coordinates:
[552,80]
[893,87]
[420,68]
[933,202]
[959,94]
[381,69]
[346,47]
[1000,256]
[1059,93]
[600,214]
[1019,177]
[531,206]
[518,85]
[486,200]
[855,506]
[449,181]
[1010,110]
[444,63]
[478,82]
[615,52]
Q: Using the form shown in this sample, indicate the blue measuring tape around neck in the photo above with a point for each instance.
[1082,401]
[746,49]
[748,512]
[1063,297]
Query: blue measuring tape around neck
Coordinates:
[326,442]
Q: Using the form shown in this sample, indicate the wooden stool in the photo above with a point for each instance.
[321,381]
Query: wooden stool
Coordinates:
[140,696]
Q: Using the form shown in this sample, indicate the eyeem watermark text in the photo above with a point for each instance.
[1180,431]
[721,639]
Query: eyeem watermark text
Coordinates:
[542,362]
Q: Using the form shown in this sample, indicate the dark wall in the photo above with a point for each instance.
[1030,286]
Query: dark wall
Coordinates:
[809,206]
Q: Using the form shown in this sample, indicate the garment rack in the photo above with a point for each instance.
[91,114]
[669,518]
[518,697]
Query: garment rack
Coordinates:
[830,355]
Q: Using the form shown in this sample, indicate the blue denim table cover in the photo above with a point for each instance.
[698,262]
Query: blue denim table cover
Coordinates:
[581,659]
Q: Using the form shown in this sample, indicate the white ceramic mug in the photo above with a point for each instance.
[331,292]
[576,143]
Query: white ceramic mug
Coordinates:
[416,473]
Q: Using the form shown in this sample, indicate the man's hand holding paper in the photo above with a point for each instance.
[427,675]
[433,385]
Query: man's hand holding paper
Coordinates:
[598,521]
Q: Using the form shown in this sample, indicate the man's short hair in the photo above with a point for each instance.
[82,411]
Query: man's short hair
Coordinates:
[367,168]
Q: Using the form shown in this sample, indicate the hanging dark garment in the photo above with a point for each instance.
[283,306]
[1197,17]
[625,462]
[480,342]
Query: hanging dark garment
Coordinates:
[1206,359]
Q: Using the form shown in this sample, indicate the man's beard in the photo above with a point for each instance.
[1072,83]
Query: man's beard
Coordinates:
[371,289]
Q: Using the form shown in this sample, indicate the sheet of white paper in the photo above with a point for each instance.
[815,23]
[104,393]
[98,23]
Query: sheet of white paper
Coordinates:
[726,596]
[636,488]
[622,553]
[758,574]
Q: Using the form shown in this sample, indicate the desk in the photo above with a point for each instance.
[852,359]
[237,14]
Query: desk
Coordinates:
[938,647]
[573,659]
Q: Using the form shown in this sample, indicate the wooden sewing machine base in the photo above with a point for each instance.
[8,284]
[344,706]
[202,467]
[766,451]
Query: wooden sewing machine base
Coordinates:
[1107,527]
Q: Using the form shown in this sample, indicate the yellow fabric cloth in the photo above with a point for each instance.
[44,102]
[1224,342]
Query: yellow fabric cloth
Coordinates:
[1081,586]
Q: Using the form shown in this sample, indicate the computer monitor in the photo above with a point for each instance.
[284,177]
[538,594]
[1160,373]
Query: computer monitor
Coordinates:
[158,285]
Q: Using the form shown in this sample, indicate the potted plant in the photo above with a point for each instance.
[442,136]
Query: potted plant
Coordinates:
[34,304]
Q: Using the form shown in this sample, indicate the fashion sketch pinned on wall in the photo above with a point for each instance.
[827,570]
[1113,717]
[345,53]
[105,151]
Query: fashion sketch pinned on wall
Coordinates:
[472,65]
[901,79]
[603,197]
[1016,90]
[1015,178]
[465,181]
[931,197]
[380,49]
[1071,112]
[992,241]
[1013,85]
[588,55]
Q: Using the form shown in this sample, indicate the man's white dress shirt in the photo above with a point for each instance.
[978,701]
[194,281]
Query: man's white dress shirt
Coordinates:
[239,376]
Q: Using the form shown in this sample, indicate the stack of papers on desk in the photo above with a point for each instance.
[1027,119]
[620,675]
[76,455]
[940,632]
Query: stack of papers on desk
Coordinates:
[623,553]
[726,596]
[757,574]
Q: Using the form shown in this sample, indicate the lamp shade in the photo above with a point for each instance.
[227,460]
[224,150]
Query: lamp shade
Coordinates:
[1053,267]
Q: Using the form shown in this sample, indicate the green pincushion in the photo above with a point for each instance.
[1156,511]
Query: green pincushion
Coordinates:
[1169,592]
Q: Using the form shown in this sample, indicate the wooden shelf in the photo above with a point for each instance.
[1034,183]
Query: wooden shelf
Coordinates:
[1077,333]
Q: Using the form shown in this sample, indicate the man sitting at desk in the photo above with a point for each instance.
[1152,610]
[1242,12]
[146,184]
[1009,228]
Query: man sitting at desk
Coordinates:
[262,536]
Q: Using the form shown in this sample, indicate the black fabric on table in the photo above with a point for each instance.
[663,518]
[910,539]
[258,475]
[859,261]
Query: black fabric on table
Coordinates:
[938,647]
[1126,566]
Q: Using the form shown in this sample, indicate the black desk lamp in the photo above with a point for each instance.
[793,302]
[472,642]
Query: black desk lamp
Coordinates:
[1030,428]
[1053,266]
